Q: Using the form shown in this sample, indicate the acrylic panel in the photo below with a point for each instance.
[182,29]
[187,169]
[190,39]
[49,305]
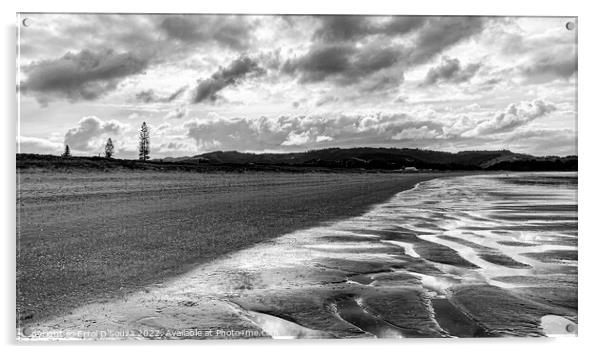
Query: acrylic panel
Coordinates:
[194,176]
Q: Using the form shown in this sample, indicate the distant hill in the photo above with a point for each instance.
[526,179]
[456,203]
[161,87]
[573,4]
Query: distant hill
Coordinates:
[326,160]
[394,159]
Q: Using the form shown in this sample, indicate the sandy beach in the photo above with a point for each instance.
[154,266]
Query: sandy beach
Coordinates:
[404,268]
[95,236]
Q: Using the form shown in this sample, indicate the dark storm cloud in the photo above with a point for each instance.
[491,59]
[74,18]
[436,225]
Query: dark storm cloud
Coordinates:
[322,61]
[343,28]
[239,70]
[52,35]
[551,56]
[400,25]
[154,39]
[440,33]
[343,63]
[231,31]
[433,34]
[89,128]
[85,75]
[372,59]
[346,28]
[338,54]
[549,67]
[450,70]
[149,96]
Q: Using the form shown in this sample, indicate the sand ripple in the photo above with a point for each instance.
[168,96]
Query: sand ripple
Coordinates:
[454,257]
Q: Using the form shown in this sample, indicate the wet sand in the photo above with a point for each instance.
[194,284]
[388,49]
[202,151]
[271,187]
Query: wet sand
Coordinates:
[370,276]
[96,236]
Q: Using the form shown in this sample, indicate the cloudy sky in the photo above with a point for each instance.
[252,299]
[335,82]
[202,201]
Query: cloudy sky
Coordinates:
[293,83]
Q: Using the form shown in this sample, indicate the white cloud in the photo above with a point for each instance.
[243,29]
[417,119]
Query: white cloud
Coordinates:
[296,139]
[323,138]
[516,115]
[86,136]
[416,133]
[178,113]
[374,96]
[27,144]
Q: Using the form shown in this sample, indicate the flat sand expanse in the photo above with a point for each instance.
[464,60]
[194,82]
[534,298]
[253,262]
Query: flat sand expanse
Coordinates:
[94,236]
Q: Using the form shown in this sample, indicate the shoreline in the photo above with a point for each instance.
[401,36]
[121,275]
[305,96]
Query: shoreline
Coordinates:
[345,279]
[124,236]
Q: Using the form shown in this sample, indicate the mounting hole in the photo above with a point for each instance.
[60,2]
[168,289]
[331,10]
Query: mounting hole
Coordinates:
[26,22]
[570,25]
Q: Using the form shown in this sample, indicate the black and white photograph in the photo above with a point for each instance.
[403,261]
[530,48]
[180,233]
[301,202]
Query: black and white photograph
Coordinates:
[199,176]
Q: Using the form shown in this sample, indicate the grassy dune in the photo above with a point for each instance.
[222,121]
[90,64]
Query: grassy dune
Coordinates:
[92,236]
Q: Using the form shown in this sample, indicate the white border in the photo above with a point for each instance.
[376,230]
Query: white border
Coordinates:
[590,157]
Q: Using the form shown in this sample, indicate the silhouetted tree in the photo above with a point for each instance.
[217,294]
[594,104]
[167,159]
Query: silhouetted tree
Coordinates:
[109,149]
[67,152]
[144,148]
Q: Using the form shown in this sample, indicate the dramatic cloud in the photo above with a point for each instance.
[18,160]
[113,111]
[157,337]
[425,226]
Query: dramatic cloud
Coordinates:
[231,31]
[342,28]
[82,76]
[549,56]
[336,130]
[87,131]
[450,71]
[297,82]
[149,96]
[345,27]
[239,70]
[516,115]
[317,131]
[344,64]
[255,134]
[340,57]
[322,61]
[440,33]
[545,68]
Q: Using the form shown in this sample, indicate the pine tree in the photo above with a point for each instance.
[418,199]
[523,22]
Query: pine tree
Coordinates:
[144,148]
[109,149]
[67,152]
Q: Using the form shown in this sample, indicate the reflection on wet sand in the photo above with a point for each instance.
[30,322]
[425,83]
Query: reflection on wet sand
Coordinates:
[490,255]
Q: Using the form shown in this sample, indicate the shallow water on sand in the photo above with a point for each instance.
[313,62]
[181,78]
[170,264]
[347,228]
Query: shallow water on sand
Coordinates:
[506,225]
[490,255]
